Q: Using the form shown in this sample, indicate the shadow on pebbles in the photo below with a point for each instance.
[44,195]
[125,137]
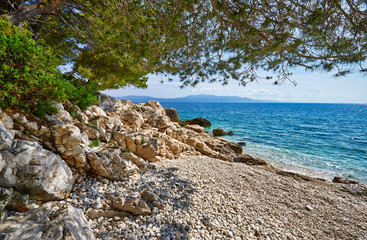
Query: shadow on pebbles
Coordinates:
[204,198]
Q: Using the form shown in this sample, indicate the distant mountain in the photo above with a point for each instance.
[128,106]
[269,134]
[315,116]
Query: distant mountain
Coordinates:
[192,98]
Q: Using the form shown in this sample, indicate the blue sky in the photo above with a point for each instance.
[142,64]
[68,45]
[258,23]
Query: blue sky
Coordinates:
[311,87]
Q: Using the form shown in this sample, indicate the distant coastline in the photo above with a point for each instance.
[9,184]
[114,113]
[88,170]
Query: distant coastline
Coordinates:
[195,98]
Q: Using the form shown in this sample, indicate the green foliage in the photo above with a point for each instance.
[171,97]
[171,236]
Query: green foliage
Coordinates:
[92,125]
[94,143]
[143,141]
[115,43]
[81,92]
[29,78]
[127,150]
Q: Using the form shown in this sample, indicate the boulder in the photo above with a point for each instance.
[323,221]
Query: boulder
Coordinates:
[159,121]
[94,111]
[156,106]
[6,137]
[2,162]
[120,138]
[6,120]
[196,128]
[219,132]
[153,198]
[136,206]
[199,121]
[138,161]
[47,222]
[97,213]
[237,148]
[11,200]
[32,169]
[110,104]
[111,164]
[172,114]
[118,202]
[244,158]
[68,140]
[344,180]
[134,119]
[75,112]
[147,149]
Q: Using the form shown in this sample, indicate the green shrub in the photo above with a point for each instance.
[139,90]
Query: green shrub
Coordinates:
[94,143]
[29,78]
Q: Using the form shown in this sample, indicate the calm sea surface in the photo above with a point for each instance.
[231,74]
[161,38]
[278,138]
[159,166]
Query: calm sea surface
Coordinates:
[324,140]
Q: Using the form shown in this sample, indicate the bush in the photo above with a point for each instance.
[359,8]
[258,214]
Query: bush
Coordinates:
[29,78]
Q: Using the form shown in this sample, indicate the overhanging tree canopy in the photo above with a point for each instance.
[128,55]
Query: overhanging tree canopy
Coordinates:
[116,43]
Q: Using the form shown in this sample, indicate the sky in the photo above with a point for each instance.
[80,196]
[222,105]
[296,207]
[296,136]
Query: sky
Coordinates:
[312,87]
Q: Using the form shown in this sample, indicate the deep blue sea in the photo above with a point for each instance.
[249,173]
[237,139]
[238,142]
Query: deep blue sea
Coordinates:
[323,140]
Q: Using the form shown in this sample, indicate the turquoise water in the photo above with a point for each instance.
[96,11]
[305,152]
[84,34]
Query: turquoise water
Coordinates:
[323,140]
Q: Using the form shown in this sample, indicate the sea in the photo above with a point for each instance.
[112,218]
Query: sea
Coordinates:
[321,140]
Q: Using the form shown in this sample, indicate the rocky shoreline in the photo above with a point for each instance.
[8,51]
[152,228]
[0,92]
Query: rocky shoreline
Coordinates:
[131,171]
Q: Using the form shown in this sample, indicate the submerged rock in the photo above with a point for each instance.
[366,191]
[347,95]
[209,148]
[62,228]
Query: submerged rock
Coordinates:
[221,132]
[199,121]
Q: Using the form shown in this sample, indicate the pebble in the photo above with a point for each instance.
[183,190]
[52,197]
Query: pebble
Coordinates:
[309,208]
[197,205]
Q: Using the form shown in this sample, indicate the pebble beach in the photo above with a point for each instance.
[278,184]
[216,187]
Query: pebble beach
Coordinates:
[205,198]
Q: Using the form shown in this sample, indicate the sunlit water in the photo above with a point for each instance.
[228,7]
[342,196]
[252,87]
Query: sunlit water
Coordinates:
[324,140]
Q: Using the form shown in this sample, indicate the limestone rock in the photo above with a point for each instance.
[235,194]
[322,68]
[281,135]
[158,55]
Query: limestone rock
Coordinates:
[136,206]
[138,161]
[118,202]
[44,223]
[244,158]
[237,148]
[172,114]
[120,138]
[156,106]
[296,176]
[149,196]
[68,140]
[357,189]
[148,149]
[344,180]
[2,162]
[32,169]
[111,164]
[11,200]
[196,128]
[64,116]
[97,213]
[6,120]
[133,118]
[199,121]
[94,111]
[159,121]
[111,104]
[221,132]
[6,137]
[75,112]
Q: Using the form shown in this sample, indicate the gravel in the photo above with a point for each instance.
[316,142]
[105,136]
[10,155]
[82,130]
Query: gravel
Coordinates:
[205,198]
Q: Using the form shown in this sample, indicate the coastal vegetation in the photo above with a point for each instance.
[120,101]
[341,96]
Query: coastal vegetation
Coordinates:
[113,43]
